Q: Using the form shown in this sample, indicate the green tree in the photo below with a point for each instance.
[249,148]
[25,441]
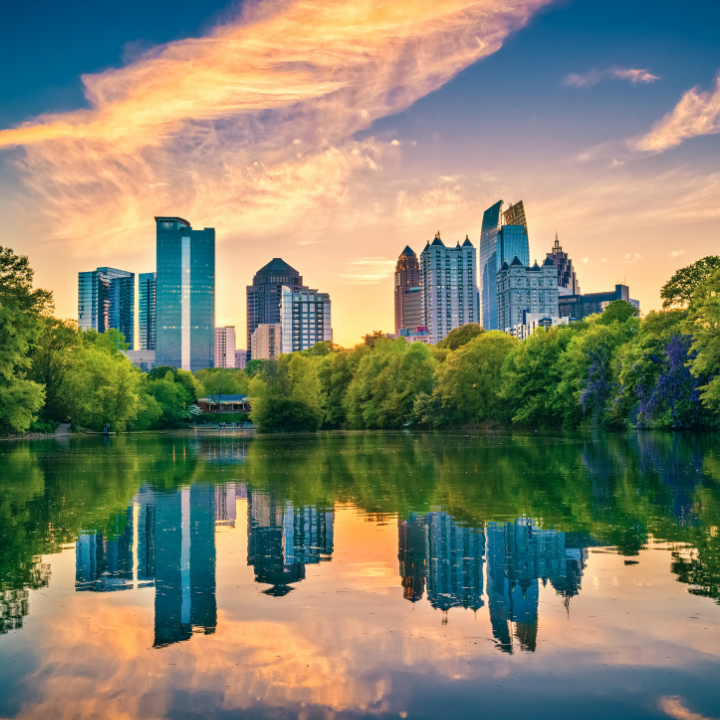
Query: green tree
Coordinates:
[618,311]
[387,380]
[530,376]
[22,310]
[678,291]
[52,361]
[460,336]
[468,382]
[704,323]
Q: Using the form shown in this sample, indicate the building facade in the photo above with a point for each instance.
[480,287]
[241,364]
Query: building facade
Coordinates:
[523,290]
[147,325]
[504,235]
[577,307]
[535,321]
[225,346]
[240,359]
[264,296]
[266,341]
[305,318]
[567,278]
[408,301]
[449,287]
[185,295]
[106,300]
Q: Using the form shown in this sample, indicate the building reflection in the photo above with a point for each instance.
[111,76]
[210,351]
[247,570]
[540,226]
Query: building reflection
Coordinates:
[167,542]
[283,539]
[445,560]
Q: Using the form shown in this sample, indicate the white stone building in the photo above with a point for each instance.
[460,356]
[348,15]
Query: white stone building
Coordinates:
[449,285]
[526,290]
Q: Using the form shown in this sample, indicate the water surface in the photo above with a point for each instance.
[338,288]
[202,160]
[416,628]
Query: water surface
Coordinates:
[377,575]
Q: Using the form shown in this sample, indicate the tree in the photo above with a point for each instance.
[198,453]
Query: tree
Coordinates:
[215,382]
[460,336]
[385,383]
[530,376]
[22,310]
[678,291]
[468,382]
[618,311]
[51,363]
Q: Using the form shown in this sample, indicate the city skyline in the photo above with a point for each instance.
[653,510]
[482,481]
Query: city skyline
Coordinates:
[610,140]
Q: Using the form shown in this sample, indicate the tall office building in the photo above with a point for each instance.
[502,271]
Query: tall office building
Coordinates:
[264,296]
[185,295]
[305,318]
[408,299]
[503,236]
[106,300]
[449,287]
[266,341]
[148,314]
[523,290]
[240,359]
[567,279]
[225,347]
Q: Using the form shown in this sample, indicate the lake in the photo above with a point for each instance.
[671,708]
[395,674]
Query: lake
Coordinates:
[217,574]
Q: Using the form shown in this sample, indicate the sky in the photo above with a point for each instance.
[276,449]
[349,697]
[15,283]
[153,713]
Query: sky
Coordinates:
[334,133]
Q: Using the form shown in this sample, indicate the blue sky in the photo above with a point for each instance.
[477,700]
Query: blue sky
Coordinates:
[415,139]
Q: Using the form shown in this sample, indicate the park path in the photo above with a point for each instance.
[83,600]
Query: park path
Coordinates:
[62,429]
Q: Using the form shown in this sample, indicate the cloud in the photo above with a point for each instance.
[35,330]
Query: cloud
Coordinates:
[630,258]
[210,128]
[593,77]
[697,113]
[674,706]
[368,271]
[586,260]
[616,163]
[677,253]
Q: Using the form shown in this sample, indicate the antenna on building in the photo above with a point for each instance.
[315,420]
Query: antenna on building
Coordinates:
[437,235]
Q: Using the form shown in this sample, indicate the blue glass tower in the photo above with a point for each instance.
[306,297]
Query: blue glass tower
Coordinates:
[106,299]
[148,313]
[185,295]
[503,236]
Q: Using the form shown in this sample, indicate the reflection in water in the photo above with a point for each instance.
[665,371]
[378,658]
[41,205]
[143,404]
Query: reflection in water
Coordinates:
[437,553]
[283,539]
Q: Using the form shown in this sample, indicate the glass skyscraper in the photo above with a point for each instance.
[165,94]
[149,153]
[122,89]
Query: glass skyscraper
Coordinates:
[503,236]
[264,296]
[106,299]
[185,295]
[148,313]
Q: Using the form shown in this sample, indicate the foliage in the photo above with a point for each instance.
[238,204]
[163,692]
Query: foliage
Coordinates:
[679,290]
[222,381]
[460,336]
[466,382]
[22,311]
[382,391]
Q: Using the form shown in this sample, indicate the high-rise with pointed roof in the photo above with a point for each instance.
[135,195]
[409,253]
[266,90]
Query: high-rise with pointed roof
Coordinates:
[408,299]
[566,272]
[504,235]
[449,287]
[264,296]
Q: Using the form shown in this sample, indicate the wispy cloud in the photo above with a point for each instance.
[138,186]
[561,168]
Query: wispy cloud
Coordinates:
[251,126]
[593,77]
[630,258]
[677,253]
[368,271]
[697,113]
[674,706]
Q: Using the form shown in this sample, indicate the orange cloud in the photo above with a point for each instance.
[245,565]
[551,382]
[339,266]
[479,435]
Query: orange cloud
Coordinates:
[695,114]
[251,126]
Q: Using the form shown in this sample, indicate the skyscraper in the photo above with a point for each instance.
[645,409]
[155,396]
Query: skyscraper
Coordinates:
[185,295]
[305,318]
[225,347]
[567,279]
[408,305]
[503,236]
[148,312]
[523,290]
[265,294]
[450,293]
[266,341]
[106,299]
